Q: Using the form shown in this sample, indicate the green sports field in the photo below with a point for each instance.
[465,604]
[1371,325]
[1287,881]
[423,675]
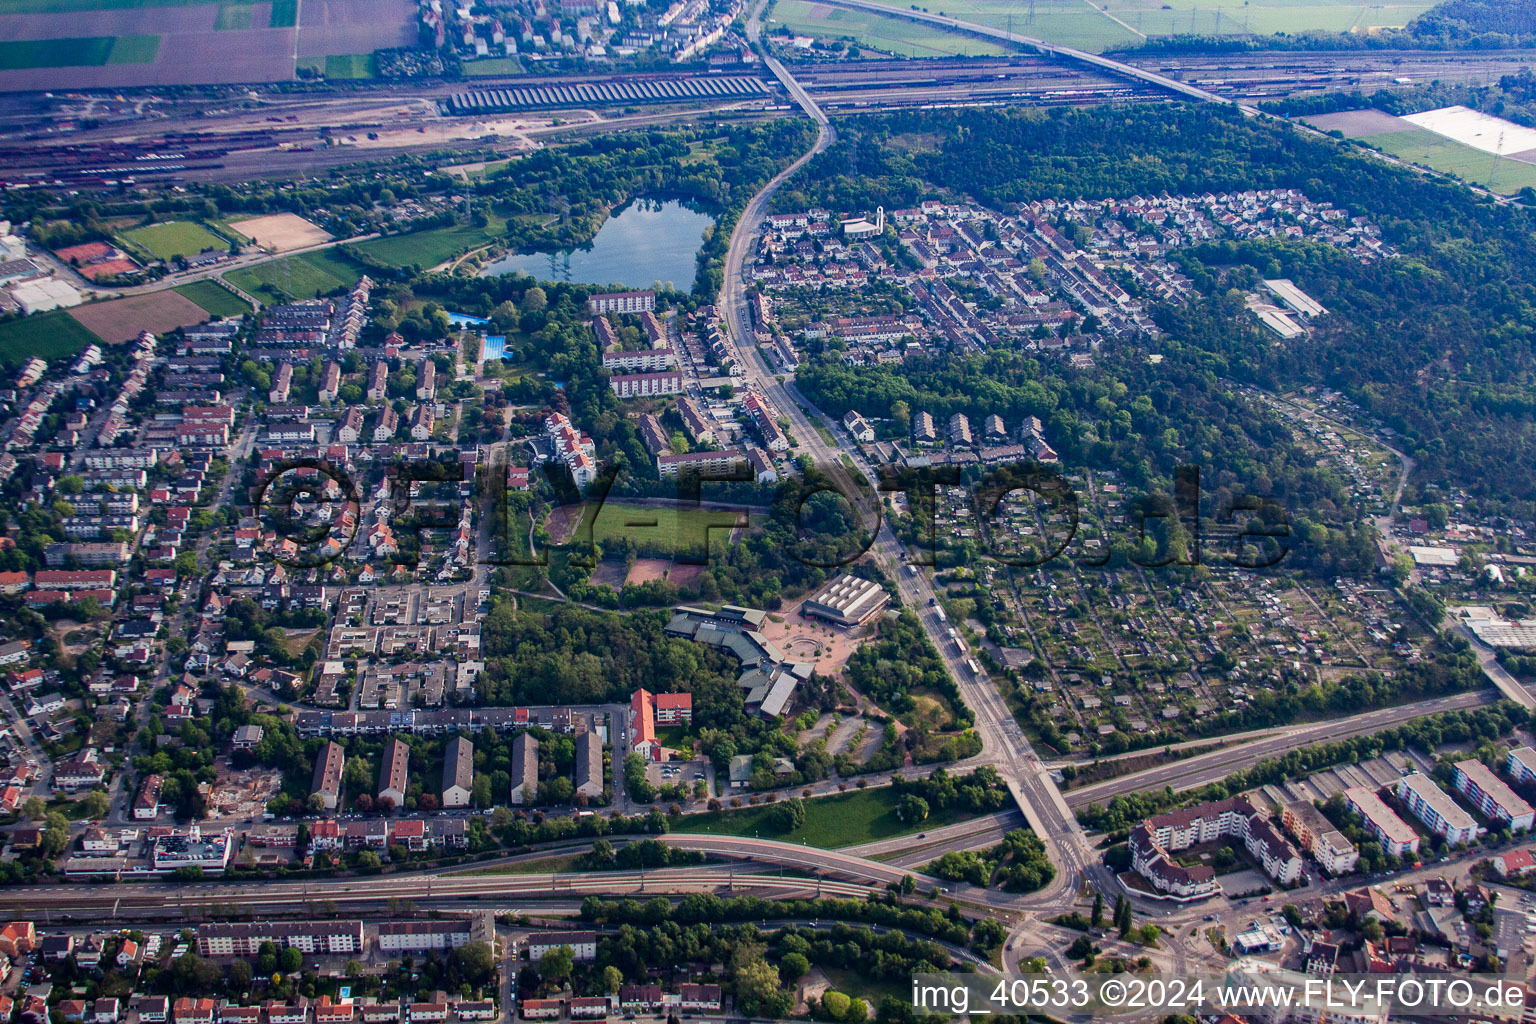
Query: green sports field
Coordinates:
[660,527]
[297,277]
[216,299]
[173,238]
[52,335]
[85,51]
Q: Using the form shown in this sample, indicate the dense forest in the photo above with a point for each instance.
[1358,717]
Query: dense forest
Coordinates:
[1436,343]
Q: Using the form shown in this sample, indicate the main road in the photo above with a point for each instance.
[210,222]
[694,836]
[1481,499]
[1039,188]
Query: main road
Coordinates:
[1003,743]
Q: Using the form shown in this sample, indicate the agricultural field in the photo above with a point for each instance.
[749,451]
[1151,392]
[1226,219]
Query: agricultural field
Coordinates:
[297,277]
[215,299]
[155,312]
[87,51]
[1107,24]
[173,238]
[51,335]
[433,246]
[890,35]
[1397,137]
[1069,22]
[1258,17]
[195,42]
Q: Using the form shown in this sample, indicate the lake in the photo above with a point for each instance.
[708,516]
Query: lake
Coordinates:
[644,241]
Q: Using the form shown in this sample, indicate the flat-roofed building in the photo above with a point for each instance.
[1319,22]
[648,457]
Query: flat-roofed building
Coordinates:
[1434,807]
[1492,796]
[1396,836]
[1521,765]
[847,600]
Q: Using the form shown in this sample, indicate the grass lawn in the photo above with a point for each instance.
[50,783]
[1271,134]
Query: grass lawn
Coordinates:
[86,51]
[847,819]
[1422,146]
[297,277]
[285,14]
[51,335]
[342,66]
[491,66]
[853,983]
[433,246]
[173,238]
[535,866]
[661,527]
[215,298]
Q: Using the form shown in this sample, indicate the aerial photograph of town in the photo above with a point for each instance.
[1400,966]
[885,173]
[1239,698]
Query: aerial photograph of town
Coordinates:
[751,511]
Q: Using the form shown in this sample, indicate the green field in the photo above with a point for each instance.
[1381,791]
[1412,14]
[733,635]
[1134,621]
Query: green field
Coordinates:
[847,819]
[1258,17]
[235,17]
[86,51]
[79,6]
[297,277]
[492,66]
[1069,22]
[341,66]
[216,299]
[285,14]
[173,238]
[51,335]
[1438,153]
[672,525]
[431,247]
[893,35]
[1097,25]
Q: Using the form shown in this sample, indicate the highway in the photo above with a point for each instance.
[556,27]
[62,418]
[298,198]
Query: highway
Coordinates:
[1207,768]
[1121,68]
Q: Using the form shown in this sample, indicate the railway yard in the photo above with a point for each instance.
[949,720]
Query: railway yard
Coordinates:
[82,140]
